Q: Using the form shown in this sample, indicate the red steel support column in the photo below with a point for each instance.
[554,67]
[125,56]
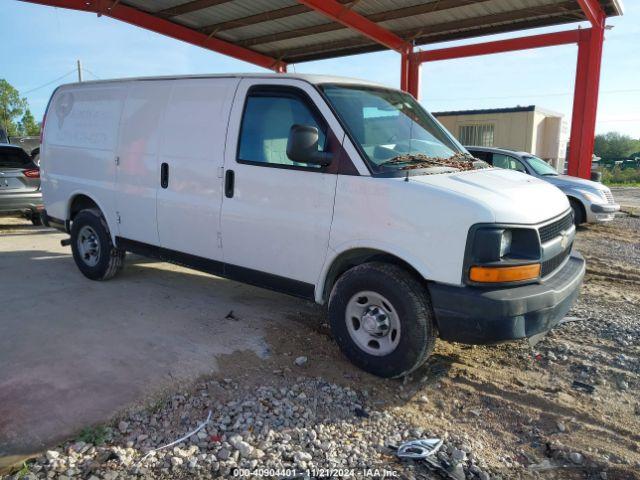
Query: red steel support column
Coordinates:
[404,72]
[414,76]
[585,100]
[410,74]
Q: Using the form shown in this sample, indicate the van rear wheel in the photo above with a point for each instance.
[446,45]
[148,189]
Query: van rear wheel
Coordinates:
[381,317]
[93,250]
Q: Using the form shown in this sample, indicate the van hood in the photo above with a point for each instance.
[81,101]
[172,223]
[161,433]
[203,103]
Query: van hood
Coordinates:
[513,197]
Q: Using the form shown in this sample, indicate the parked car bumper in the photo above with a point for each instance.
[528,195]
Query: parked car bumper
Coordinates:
[484,316]
[602,212]
[20,202]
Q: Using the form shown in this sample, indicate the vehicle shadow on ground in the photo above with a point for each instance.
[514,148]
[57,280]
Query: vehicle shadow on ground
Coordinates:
[308,334]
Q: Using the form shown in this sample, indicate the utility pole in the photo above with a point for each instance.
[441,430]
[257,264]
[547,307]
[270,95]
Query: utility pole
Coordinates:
[79,71]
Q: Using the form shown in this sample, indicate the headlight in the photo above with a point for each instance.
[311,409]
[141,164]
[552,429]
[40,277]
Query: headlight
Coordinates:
[593,196]
[494,244]
[505,243]
[497,254]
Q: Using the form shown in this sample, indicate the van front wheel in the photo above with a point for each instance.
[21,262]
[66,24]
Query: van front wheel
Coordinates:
[381,318]
[93,250]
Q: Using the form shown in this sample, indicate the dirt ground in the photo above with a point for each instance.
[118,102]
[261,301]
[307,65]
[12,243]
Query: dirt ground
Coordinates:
[515,404]
[523,410]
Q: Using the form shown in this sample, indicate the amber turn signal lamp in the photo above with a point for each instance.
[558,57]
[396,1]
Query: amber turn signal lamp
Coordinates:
[504,274]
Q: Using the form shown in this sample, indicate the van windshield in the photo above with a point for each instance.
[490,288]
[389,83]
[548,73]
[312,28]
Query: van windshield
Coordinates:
[395,133]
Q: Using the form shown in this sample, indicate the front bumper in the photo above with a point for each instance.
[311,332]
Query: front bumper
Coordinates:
[605,208]
[483,315]
[602,212]
[20,202]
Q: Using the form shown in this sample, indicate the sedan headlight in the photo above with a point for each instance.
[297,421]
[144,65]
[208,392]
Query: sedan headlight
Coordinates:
[593,196]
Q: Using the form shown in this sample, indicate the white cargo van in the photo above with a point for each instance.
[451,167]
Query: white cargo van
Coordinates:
[337,190]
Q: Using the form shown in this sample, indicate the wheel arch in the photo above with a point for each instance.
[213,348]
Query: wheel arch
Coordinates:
[81,200]
[574,199]
[352,257]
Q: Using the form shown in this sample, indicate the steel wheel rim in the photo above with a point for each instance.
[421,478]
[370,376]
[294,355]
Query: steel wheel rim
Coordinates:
[88,246]
[373,323]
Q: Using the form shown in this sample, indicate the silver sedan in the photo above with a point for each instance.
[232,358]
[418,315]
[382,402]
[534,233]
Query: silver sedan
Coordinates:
[19,184]
[591,202]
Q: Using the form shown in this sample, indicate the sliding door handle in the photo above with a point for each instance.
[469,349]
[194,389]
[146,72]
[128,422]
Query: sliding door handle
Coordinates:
[229,180]
[164,175]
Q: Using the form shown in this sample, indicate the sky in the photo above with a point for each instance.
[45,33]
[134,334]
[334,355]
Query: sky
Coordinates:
[39,47]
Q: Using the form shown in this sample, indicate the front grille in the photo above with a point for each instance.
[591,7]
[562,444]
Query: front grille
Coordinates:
[552,230]
[609,196]
[549,266]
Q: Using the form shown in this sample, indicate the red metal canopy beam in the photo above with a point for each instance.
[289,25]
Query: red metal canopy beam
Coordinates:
[500,46]
[592,11]
[148,21]
[347,17]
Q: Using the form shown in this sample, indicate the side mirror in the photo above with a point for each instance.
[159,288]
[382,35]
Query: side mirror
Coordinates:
[302,146]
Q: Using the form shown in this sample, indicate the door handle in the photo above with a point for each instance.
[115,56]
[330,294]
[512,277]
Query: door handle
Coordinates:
[229,180]
[164,175]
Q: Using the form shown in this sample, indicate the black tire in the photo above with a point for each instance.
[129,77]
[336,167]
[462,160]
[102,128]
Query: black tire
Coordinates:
[36,219]
[410,300]
[578,212]
[110,259]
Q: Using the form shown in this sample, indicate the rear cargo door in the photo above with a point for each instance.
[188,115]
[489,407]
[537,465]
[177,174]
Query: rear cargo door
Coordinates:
[137,160]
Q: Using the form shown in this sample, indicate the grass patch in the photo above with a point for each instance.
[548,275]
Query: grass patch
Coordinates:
[613,184]
[94,435]
[23,472]
[627,177]
[156,406]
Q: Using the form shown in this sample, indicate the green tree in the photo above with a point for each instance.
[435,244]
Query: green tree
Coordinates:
[615,145]
[28,124]
[12,108]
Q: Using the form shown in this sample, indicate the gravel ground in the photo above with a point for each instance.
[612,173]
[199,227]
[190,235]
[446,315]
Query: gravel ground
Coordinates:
[567,408]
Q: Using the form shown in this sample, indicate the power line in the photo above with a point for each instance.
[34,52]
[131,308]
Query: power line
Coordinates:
[85,69]
[49,83]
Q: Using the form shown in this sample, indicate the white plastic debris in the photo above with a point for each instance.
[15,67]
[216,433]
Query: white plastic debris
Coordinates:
[180,440]
[419,449]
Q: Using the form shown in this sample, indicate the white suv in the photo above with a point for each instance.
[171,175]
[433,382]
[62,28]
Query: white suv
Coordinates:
[331,189]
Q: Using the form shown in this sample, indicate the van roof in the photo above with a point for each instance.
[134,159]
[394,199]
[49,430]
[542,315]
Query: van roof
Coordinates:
[309,78]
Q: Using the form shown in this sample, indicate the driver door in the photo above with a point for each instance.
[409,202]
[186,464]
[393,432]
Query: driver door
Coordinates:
[276,214]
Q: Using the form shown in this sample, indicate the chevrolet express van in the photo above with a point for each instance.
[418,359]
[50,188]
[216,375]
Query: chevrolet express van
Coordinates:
[340,191]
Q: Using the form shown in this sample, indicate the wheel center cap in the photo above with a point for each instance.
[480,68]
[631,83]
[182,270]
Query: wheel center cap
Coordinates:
[375,321]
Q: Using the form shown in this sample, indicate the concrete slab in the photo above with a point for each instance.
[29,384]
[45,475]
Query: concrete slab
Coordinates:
[74,352]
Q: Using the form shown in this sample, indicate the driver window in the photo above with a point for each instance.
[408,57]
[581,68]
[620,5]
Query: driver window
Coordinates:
[508,162]
[265,129]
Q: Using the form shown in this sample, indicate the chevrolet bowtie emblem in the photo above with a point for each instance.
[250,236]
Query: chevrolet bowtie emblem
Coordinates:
[565,239]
